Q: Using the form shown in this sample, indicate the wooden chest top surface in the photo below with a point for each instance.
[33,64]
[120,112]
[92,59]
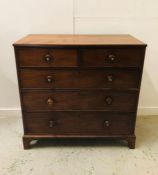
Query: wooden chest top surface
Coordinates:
[72,40]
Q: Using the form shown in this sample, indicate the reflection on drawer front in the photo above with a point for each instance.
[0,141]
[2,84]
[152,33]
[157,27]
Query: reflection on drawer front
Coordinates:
[79,79]
[111,58]
[47,57]
[85,123]
[83,100]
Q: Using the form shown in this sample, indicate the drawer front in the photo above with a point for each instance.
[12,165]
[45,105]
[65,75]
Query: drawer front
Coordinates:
[71,123]
[111,58]
[83,100]
[79,79]
[47,57]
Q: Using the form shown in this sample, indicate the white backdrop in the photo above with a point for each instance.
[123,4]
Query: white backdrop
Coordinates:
[21,17]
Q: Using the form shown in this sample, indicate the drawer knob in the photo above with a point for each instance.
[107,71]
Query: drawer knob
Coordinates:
[107,124]
[50,101]
[110,78]
[49,79]
[51,123]
[109,100]
[111,57]
[47,57]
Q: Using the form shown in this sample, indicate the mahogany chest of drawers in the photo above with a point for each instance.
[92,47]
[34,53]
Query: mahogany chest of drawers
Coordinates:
[79,86]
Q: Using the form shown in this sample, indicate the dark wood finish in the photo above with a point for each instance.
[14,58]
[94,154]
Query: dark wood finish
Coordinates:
[79,123]
[79,86]
[131,142]
[78,79]
[47,57]
[81,100]
[26,142]
[111,57]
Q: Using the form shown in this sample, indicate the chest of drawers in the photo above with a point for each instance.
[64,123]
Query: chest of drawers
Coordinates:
[79,86]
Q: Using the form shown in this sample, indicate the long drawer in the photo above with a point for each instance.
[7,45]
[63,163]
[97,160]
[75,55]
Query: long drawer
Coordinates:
[109,78]
[83,123]
[80,100]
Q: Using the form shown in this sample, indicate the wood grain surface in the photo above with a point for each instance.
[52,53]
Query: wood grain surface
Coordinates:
[48,39]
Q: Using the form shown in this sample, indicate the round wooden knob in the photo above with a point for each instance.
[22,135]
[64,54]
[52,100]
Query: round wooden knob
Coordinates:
[47,57]
[50,101]
[111,57]
[51,123]
[107,124]
[108,100]
[49,79]
[110,78]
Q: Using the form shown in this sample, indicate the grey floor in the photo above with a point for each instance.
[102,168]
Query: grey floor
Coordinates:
[84,158]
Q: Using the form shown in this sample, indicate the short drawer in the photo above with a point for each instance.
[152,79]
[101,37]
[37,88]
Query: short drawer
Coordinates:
[40,57]
[81,100]
[111,57]
[79,79]
[75,123]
